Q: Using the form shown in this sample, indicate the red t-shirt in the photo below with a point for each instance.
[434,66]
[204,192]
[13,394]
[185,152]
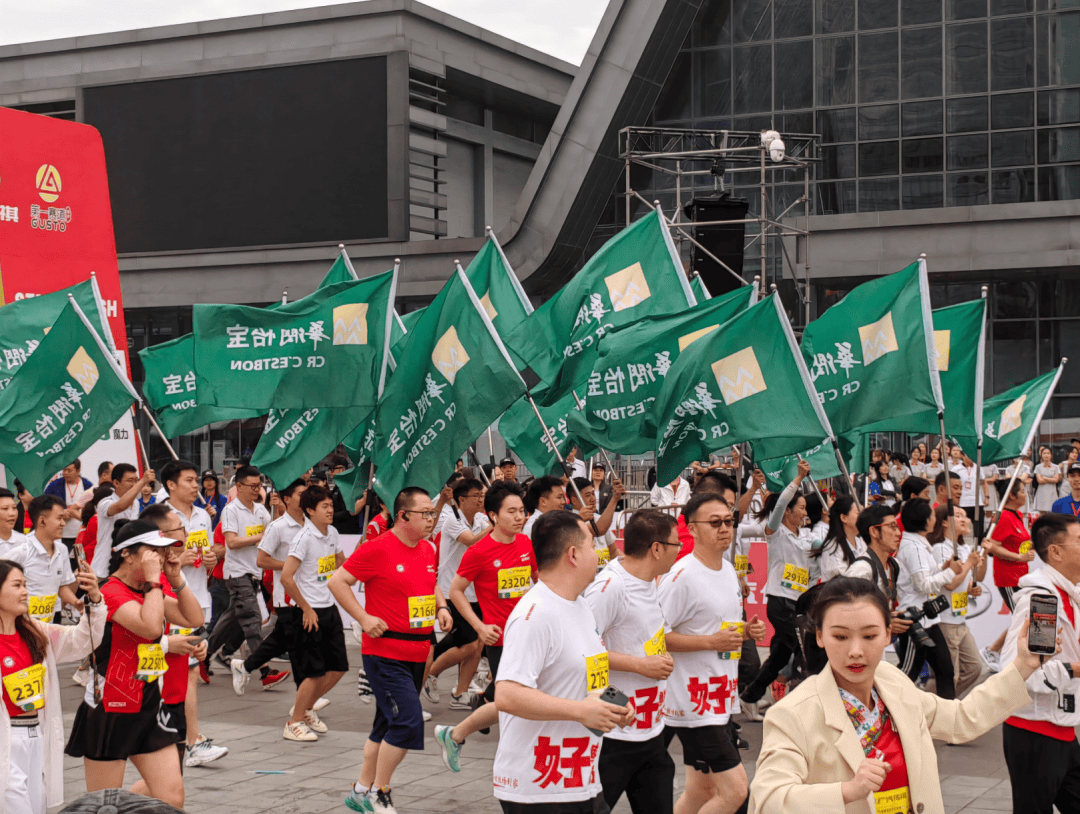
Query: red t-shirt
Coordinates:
[376,526]
[14,656]
[892,752]
[219,539]
[1010,532]
[88,538]
[399,588]
[174,683]
[124,692]
[686,538]
[501,574]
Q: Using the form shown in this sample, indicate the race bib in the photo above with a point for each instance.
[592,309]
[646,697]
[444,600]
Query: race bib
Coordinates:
[657,645]
[198,540]
[327,566]
[151,662]
[421,611]
[596,669]
[42,608]
[251,531]
[960,603]
[603,554]
[1025,546]
[795,578]
[26,688]
[742,564]
[514,582]
[731,655]
[891,802]
[179,631]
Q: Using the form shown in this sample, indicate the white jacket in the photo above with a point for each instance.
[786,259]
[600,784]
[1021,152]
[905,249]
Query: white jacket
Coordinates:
[1045,701]
[65,644]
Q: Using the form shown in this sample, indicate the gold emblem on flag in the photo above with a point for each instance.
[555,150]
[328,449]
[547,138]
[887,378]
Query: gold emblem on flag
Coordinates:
[83,369]
[350,324]
[488,307]
[449,355]
[627,288]
[694,336]
[739,376]
[878,338]
[1012,417]
[48,183]
[942,341]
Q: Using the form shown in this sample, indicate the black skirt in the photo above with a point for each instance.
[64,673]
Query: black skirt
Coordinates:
[100,735]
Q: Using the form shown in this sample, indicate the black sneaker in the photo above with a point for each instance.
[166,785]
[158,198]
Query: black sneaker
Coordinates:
[382,804]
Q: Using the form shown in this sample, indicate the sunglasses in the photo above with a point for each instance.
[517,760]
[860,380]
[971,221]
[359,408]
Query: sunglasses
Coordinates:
[726,522]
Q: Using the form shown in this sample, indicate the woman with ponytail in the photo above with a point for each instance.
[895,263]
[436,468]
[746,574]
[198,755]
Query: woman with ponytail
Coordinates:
[842,544]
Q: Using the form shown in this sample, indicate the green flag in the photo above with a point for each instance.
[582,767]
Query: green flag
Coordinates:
[629,371]
[170,391]
[61,400]
[27,321]
[324,350]
[636,274]
[500,291]
[779,472]
[1011,419]
[408,322]
[871,355]
[524,435]
[340,272]
[745,381]
[454,378]
[701,293]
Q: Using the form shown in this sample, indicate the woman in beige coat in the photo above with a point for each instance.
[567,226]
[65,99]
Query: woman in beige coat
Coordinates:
[858,737]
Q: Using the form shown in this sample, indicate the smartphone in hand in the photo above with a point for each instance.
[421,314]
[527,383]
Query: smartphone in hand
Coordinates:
[1042,629]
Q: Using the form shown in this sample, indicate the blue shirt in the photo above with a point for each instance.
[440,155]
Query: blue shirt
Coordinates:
[1065,505]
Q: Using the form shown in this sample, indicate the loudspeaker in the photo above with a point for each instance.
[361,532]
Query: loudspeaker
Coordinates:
[726,241]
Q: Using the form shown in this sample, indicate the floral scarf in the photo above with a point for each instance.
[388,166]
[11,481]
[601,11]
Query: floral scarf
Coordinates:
[868,722]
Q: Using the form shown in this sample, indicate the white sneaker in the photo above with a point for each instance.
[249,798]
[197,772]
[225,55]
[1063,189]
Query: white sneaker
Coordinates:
[426,715]
[431,689]
[322,703]
[752,712]
[203,752]
[315,724]
[357,632]
[239,675]
[299,731]
[381,802]
[992,659]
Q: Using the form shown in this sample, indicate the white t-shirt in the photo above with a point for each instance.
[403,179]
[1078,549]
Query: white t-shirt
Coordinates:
[703,689]
[275,542]
[958,600]
[603,544]
[628,616]
[968,481]
[44,574]
[552,645]
[914,555]
[791,568]
[832,562]
[106,524]
[235,517]
[577,468]
[527,530]
[451,550]
[317,553]
[200,535]
[12,542]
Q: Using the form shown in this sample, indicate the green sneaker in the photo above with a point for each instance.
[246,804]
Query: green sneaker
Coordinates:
[359,801]
[451,750]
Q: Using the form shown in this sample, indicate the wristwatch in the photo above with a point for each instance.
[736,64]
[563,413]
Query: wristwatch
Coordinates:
[1069,669]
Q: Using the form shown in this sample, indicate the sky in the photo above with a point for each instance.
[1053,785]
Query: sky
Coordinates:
[540,24]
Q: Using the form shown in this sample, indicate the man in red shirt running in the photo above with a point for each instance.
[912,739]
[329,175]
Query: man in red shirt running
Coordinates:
[1011,546]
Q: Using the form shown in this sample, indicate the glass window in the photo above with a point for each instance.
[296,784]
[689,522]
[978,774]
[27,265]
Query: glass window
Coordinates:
[1054,5]
[879,195]
[965,115]
[965,59]
[1059,183]
[1015,299]
[1059,106]
[713,69]
[794,18]
[923,191]
[968,152]
[1059,49]
[753,79]
[879,158]
[1014,353]
[923,155]
[1012,110]
[1002,7]
[838,161]
[796,122]
[964,9]
[1064,339]
[1012,149]
[879,121]
[836,125]
[1059,145]
[713,24]
[916,12]
[836,198]
[1013,186]
[1060,298]
[836,71]
[674,102]
[921,62]
[794,75]
[968,189]
[875,14]
[753,123]
[752,20]
[878,77]
[1012,54]
[923,118]
[835,16]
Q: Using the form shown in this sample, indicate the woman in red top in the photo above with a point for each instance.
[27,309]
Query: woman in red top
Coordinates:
[125,721]
[1011,545]
[88,534]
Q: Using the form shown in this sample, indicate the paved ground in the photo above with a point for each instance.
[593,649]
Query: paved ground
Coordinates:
[974,776]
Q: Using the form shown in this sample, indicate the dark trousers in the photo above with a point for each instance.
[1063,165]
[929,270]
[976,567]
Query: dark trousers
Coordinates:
[784,645]
[241,622]
[1044,771]
[642,769]
[594,806]
[749,664]
[279,642]
[912,657]
[219,601]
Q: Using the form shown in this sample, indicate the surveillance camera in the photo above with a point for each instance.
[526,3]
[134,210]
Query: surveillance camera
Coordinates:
[768,137]
[776,150]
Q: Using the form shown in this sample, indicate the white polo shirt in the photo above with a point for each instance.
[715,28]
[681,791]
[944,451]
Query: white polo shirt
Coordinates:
[106,524]
[276,542]
[44,574]
[14,541]
[317,553]
[237,518]
[200,536]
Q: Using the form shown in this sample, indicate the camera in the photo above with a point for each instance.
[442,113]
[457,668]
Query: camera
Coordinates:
[929,610]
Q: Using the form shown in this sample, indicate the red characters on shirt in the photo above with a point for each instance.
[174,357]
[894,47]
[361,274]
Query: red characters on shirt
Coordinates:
[574,755]
[715,694]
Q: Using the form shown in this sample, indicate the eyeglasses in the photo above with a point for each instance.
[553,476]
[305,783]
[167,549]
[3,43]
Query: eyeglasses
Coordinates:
[727,522]
[424,514]
[677,545]
[894,526]
[168,531]
[250,485]
[472,495]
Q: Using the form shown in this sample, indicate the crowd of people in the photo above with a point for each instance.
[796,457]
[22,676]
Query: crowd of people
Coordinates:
[587,634]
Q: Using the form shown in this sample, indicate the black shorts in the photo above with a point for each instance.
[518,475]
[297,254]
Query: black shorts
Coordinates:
[462,632]
[594,806]
[493,653]
[100,735]
[318,652]
[173,717]
[399,717]
[706,748]
[1007,595]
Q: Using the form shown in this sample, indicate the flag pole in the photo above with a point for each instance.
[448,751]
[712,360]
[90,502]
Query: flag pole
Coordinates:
[480,466]
[168,446]
[979,513]
[601,450]
[850,485]
[367,507]
[948,493]
[491,450]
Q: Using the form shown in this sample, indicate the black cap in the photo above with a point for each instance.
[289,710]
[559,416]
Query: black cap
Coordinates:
[209,473]
[117,801]
[507,462]
[1073,468]
[597,465]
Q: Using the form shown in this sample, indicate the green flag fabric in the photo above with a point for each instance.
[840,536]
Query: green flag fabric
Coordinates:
[454,378]
[340,272]
[324,350]
[524,435]
[500,292]
[293,441]
[779,472]
[170,390]
[62,399]
[634,275]
[630,368]
[701,293]
[745,381]
[409,321]
[1011,419]
[871,355]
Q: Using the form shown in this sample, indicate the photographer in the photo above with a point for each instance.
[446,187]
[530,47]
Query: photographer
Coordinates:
[879,530]
[921,579]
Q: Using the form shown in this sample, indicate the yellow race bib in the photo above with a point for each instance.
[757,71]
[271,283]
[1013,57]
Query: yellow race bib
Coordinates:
[657,645]
[960,603]
[327,566]
[795,578]
[251,531]
[198,540]
[596,669]
[26,688]
[742,564]
[514,582]
[151,662]
[421,611]
[731,655]
[1025,546]
[42,608]
[891,802]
